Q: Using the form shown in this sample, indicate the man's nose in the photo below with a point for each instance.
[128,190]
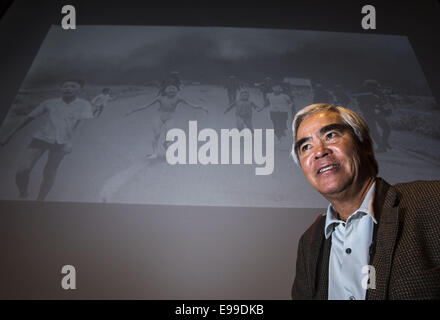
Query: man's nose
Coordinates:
[321,151]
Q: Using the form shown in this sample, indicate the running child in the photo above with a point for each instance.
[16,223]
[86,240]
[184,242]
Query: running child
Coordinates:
[280,105]
[243,111]
[63,116]
[168,103]
[100,101]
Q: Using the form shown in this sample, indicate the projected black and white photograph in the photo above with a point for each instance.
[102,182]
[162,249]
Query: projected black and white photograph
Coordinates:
[202,115]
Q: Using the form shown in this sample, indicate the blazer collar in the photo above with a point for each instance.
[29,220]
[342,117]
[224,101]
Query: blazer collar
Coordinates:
[386,211]
[319,259]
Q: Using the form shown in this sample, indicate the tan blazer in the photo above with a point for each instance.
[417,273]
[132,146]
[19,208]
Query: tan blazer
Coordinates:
[405,254]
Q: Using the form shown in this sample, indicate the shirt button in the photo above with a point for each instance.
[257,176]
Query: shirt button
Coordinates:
[352,298]
[348,250]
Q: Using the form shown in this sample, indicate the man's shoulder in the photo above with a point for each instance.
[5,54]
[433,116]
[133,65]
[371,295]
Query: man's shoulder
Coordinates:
[419,190]
[425,185]
[420,198]
[51,101]
[50,104]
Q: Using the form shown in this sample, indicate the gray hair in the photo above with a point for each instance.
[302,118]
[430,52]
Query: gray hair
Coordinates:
[358,127]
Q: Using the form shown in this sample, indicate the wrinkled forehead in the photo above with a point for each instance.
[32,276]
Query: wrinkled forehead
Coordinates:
[313,123]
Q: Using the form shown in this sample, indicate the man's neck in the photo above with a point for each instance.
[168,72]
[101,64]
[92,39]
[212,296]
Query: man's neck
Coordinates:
[348,202]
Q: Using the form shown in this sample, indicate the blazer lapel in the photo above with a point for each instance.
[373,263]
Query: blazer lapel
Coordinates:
[387,215]
[318,261]
[322,270]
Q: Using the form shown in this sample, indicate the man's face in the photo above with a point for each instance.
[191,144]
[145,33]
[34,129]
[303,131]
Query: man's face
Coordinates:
[70,88]
[328,153]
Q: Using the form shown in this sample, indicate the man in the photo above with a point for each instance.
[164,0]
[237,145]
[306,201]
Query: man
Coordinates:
[342,98]
[63,116]
[388,235]
[372,103]
[266,88]
[232,86]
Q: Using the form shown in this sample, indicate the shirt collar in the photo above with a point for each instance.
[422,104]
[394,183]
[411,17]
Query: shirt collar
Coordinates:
[366,208]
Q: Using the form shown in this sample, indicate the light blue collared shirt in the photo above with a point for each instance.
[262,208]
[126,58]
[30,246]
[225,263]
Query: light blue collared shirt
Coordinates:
[349,253]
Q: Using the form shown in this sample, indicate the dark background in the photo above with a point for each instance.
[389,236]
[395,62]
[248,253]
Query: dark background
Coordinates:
[158,252]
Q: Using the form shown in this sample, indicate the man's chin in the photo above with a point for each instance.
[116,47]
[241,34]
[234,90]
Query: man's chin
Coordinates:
[330,189]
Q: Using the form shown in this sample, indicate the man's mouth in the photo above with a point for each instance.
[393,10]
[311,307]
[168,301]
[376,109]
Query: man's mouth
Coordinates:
[328,167]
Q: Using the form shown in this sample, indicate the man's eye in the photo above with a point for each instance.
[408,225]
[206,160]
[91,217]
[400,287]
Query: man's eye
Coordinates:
[331,135]
[305,147]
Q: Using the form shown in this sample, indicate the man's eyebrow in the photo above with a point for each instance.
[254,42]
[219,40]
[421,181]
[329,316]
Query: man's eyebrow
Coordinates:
[300,142]
[334,126]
